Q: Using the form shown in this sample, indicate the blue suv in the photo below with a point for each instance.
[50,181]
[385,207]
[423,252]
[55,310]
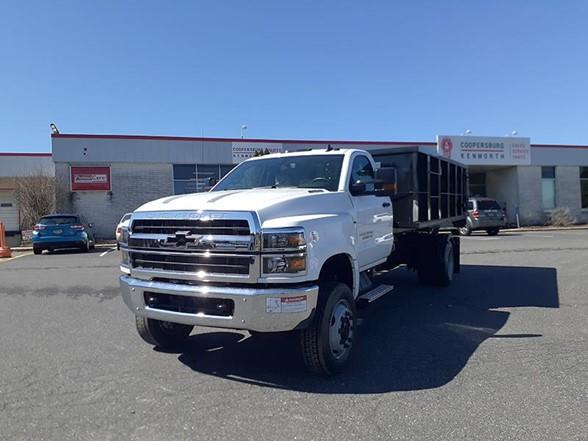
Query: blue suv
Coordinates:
[63,231]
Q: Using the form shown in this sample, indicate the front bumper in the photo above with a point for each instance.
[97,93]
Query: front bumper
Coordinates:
[488,223]
[255,309]
[61,241]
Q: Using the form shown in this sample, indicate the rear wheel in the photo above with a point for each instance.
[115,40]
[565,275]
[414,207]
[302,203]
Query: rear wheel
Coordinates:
[438,266]
[162,334]
[37,250]
[85,247]
[327,343]
[465,231]
[492,231]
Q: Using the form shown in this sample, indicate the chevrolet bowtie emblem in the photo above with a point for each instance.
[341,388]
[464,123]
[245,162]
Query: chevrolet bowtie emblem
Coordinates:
[181,238]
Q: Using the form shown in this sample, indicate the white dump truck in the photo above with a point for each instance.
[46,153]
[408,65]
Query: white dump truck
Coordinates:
[291,242]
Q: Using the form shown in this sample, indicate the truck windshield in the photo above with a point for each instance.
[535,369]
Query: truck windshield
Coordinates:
[315,171]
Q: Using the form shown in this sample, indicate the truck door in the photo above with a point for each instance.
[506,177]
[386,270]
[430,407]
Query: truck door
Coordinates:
[373,215]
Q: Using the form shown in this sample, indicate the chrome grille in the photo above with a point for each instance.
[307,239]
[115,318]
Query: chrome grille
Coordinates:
[192,226]
[203,246]
[192,263]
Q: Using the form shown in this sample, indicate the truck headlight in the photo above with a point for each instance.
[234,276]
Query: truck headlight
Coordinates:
[124,235]
[290,264]
[284,240]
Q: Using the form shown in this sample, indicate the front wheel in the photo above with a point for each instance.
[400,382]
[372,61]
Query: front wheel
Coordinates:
[37,251]
[165,335]
[85,247]
[465,231]
[328,342]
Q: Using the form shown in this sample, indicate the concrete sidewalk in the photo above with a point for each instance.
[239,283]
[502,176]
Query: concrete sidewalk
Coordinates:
[30,247]
[529,229]
[545,228]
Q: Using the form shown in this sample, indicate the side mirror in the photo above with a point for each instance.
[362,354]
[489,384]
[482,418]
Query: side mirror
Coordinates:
[90,225]
[357,188]
[387,181]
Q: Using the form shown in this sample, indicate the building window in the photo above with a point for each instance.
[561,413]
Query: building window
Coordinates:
[548,187]
[478,184]
[195,178]
[584,186]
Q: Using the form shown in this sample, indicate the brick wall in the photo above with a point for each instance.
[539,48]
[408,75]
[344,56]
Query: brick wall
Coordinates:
[567,191]
[132,186]
[530,196]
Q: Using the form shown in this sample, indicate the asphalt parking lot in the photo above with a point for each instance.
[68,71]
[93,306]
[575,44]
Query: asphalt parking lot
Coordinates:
[500,355]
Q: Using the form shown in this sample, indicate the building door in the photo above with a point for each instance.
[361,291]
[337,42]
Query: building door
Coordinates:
[9,211]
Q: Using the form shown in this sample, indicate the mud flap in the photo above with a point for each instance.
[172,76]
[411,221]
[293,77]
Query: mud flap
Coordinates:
[455,241]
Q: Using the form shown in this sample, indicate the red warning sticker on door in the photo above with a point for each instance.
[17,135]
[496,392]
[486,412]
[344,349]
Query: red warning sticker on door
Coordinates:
[285,304]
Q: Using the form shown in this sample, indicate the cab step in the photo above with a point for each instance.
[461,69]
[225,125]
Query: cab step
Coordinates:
[375,293]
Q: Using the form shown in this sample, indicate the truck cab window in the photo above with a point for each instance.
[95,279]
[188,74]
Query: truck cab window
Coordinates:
[362,171]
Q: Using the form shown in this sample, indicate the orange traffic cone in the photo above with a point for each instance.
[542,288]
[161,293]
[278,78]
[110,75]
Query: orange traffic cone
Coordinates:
[4,250]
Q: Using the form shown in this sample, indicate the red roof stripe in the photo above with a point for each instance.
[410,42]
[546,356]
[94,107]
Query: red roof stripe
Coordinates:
[282,141]
[26,154]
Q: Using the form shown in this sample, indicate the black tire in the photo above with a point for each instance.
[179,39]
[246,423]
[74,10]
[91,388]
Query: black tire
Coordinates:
[492,231]
[165,335]
[92,245]
[465,231]
[85,247]
[37,251]
[438,266]
[323,352]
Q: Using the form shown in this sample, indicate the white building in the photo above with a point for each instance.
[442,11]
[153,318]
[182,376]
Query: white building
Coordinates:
[13,166]
[112,174]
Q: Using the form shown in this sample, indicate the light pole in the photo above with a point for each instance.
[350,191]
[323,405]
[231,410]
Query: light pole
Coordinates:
[243,128]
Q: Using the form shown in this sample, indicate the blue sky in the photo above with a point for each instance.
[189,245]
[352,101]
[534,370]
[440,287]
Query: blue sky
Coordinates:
[304,70]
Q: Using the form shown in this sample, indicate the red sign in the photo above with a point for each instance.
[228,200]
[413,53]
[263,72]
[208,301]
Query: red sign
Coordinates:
[446,146]
[90,178]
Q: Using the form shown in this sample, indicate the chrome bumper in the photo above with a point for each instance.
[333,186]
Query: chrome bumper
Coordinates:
[488,223]
[263,310]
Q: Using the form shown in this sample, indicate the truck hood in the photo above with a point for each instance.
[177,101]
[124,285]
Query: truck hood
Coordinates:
[268,203]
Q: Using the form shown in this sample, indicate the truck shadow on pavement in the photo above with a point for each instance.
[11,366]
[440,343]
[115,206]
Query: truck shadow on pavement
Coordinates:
[420,338]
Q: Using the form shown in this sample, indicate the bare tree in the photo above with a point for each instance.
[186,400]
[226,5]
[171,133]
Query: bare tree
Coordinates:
[37,195]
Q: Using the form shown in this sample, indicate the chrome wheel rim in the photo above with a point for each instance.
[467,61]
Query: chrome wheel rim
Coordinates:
[341,329]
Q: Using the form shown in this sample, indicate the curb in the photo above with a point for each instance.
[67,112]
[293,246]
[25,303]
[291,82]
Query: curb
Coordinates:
[98,245]
[539,229]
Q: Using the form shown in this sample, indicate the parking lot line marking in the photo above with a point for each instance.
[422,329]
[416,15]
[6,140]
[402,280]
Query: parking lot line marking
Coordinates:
[484,238]
[107,251]
[15,257]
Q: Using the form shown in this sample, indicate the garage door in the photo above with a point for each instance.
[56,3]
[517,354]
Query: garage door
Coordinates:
[8,211]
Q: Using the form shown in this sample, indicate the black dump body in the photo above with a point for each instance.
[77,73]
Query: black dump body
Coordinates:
[431,191]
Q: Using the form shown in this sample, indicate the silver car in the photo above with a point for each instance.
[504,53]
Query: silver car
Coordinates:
[484,214]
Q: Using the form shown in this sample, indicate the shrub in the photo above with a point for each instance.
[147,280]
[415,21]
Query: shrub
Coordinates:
[561,217]
[37,195]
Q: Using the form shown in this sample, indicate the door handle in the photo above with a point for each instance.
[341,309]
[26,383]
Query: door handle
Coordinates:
[386,204]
